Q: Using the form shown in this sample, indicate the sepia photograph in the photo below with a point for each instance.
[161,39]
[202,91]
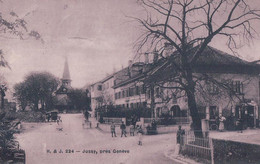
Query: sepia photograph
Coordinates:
[130,82]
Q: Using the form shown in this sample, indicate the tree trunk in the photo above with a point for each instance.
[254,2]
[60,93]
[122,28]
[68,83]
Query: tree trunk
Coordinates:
[194,115]
[193,105]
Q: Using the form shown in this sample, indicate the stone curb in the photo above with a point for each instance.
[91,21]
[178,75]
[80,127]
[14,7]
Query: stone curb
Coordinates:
[179,158]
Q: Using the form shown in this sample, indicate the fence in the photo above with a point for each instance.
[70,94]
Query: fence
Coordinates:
[108,120]
[182,120]
[149,120]
[170,121]
[197,147]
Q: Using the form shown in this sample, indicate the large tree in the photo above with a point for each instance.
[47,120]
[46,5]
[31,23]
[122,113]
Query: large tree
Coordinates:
[10,25]
[37,88]
[177,26]
[79,99]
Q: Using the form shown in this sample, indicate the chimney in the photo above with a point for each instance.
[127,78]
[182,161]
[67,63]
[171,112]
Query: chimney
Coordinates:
[146,58]
[155,56]
[130,62]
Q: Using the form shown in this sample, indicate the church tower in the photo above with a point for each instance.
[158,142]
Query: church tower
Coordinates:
[63,102]
[66,81]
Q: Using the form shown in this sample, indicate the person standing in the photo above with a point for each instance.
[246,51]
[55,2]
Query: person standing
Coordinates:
[132,130]
[113,129]
[221,123]
[180,142]
[140,134]
[59,126]
[123,129]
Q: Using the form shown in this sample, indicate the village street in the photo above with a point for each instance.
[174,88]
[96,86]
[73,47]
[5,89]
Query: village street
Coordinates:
[40,142]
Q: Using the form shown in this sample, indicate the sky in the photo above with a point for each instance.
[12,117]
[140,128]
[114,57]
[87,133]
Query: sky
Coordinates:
[95,35]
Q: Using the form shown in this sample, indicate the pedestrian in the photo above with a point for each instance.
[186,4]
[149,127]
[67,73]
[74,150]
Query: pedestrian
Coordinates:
[221,123]
[132,130]
[140,135]
[180,134]
[113,129]
[123,129]
[180,143]
[59,126]
[87,115]
[48,117]
[154,127]
[90,125]
[239,125]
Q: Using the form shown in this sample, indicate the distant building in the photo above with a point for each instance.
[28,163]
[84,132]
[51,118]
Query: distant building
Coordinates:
[63,102]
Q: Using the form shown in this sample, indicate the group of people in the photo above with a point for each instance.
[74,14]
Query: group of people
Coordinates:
[132,131]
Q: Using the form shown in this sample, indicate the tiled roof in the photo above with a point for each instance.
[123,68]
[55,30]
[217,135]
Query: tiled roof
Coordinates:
[211,60]
[213,56]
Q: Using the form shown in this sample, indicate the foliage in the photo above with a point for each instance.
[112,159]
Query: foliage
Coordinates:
[7,140]
[79,99]
[111,111]
[166,120]
[30,116]
[12,24]
[38,87]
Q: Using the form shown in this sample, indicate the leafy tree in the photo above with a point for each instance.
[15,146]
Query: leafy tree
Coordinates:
[174,27]
[79,99]
[21,94]
[38,87]
[11,26]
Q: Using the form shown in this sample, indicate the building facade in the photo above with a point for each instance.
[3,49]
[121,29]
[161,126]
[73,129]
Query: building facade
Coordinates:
[237,76]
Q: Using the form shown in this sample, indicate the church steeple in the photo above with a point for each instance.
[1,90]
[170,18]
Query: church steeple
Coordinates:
[66,81]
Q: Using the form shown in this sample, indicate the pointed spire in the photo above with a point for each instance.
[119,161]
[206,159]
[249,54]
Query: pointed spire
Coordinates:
[66,72]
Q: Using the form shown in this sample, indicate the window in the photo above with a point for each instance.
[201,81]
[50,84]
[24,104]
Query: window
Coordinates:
[237,87]
[131,105]
[158,112]
[148,92]
[119,95]
[131,91]
[202,111]
[99,87]
[137,91]
[123,94]
[213,88]
[142,89]
[259,88]
[157,92]
[213,112]
[174,99]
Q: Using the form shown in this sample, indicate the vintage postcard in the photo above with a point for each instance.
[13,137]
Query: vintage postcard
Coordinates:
[129,81]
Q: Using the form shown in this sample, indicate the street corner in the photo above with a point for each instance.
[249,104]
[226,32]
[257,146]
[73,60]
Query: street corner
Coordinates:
[177,158]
